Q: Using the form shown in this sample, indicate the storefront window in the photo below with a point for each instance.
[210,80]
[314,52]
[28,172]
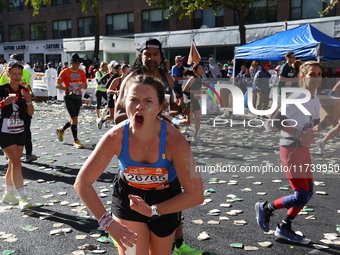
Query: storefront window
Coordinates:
[16,33]
[54,58]
[86,27]
[120,23]
[155,20]
[37,59]
[62,29]
[38,31]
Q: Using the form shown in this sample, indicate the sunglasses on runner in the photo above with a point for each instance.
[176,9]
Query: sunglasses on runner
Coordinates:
[12,63]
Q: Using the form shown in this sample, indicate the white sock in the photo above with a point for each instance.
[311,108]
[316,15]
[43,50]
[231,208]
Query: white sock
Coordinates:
[21,192]
[9,189]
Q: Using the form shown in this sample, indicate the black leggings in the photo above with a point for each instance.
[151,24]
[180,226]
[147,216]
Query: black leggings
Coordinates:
[99,96]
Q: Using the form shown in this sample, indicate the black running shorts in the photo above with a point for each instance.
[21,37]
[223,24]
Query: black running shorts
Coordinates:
[120,207]
[178,92]
[73,104]
[11,139]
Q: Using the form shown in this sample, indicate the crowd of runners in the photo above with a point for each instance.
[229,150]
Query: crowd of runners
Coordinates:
[157,178]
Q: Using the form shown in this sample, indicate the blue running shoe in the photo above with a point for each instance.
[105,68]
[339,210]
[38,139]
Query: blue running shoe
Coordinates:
[288,234]
[262,216]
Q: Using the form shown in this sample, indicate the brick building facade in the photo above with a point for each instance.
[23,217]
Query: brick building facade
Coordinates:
[71,10]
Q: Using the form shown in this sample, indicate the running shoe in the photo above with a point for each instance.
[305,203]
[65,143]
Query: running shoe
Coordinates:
[321,146]
[184,249]
[77,144]
[24,203]
[60,134]
[268,127]
[100,123]
[288,234]
[262,215]
[196,139]
[30,158]
[10,199]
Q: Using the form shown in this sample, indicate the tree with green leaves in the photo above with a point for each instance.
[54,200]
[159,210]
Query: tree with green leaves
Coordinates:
[330,5]
[186,8]
[86,6]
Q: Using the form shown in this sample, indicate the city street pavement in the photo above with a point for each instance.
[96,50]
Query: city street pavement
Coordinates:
[233,151]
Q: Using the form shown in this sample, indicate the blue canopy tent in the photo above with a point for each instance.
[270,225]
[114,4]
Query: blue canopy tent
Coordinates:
[306,42]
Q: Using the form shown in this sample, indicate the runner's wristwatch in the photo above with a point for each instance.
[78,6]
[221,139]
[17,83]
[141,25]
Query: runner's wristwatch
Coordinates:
[155,215]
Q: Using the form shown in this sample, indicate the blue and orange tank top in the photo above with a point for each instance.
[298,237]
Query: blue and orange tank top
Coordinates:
[154,176]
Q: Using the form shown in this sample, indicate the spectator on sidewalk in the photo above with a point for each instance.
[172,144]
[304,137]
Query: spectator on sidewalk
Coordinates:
[51,76]
[261,82]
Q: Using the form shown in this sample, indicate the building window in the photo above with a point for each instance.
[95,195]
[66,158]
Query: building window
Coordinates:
[60,2]
[38,31]
[262,11]
[119,23]
[155,20]
[306,9]
[208,18]
[86,27]
[62,29]
[16,33]
[2,39]
[16,6]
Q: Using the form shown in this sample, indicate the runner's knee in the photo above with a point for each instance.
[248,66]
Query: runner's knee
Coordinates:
[299,199]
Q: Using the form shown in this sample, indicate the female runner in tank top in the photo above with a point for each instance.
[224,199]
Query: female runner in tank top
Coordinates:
[295,155]
[192,87]
[155,161]
[15,104]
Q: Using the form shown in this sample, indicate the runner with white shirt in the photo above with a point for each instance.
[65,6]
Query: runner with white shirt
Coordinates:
[296,137]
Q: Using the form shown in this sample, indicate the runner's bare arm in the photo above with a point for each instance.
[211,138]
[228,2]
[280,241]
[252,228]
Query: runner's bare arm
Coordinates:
[59,85]
[114,84]
[108,146]
[170,80]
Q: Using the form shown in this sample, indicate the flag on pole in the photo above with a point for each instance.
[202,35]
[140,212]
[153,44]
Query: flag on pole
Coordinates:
[194,56]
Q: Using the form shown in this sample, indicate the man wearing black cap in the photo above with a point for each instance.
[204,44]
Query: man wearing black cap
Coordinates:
[25,81]
[150,61]
[72,80]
